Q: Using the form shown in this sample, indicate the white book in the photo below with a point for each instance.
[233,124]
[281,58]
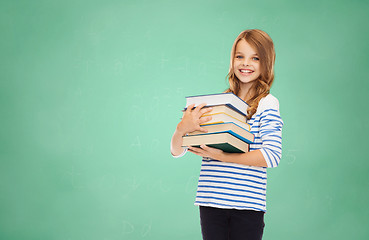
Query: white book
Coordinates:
[228,99]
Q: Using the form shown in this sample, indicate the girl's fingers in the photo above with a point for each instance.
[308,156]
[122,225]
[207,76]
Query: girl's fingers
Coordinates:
[195,150]
[199,151]
[189,108]
[192,150]
[204,119]
[206,110]
[202,129]
[198,108]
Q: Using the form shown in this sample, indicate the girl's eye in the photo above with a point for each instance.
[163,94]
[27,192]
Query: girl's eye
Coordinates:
[254,58]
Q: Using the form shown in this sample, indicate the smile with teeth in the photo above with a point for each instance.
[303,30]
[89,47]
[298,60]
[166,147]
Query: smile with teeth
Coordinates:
[246,71]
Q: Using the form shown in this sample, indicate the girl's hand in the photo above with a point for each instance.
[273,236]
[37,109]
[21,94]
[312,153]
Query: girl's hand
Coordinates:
[205,151]
[192,119]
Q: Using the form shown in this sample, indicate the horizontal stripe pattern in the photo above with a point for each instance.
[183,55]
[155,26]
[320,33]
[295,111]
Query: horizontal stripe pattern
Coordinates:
[230,185]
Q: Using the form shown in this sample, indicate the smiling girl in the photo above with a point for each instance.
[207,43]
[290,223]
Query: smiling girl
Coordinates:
[231,190]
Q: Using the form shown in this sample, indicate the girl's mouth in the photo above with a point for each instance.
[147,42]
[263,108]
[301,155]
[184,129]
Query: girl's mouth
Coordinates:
[246,71]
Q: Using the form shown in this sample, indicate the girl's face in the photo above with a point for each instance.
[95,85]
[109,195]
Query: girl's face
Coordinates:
[246,63]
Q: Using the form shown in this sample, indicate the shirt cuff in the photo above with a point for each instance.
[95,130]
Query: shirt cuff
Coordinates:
[266,158]
[183,153]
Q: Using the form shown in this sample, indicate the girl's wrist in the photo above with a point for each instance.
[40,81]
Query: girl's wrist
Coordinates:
[180,131]
[225,157]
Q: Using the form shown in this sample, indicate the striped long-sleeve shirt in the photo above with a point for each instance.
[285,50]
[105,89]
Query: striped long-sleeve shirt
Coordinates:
[231,185]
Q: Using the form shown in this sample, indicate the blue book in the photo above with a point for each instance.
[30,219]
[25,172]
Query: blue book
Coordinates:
[227,127]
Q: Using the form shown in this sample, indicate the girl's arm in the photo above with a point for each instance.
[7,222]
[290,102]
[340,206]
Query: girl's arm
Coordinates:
[176,143]
[190,122]
[253,158]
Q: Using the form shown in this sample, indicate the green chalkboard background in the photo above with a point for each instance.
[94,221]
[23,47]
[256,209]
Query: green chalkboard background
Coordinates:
[91,92]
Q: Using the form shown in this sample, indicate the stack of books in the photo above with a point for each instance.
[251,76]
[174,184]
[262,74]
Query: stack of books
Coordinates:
[227,130]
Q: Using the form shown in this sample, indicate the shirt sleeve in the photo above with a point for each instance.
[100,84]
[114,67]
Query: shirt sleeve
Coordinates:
[271,134]
[182,154]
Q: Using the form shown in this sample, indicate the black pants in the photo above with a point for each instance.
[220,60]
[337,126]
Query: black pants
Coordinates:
[231,224]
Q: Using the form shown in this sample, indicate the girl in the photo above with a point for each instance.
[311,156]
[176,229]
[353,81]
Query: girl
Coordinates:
[231,190]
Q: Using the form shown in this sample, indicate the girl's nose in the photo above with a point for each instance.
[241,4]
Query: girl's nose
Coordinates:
[246,63]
